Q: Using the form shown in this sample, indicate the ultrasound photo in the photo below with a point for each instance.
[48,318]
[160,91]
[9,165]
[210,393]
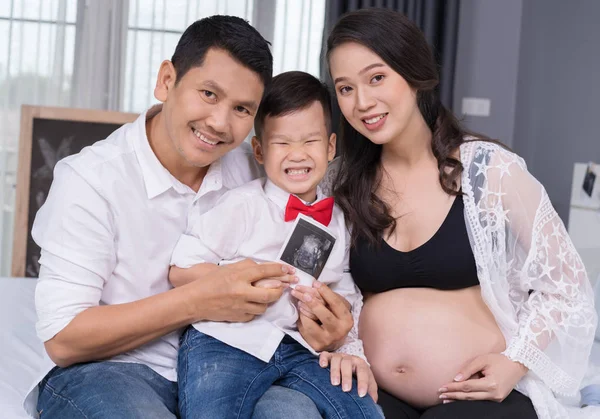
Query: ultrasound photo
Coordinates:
[308,247]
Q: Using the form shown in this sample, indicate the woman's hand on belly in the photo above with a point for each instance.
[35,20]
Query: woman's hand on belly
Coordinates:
[496,376]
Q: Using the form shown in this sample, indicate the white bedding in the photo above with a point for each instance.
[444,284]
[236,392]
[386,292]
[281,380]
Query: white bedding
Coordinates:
[20,349]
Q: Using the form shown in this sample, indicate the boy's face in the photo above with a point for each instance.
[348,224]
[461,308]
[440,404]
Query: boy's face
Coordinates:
[211,109]
[295,150]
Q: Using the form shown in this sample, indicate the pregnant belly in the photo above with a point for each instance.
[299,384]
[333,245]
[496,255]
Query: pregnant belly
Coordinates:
[418,339]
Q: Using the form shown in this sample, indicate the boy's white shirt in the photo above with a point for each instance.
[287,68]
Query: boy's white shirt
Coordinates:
[248,222]
[107,231]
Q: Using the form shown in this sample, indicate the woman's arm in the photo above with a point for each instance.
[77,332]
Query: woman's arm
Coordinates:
[557,320]
[543,277]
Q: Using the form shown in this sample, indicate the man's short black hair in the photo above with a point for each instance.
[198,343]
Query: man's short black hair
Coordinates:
[229,33]
[290,92]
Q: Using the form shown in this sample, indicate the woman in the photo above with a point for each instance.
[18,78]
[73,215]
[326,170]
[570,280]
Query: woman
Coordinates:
[473,287]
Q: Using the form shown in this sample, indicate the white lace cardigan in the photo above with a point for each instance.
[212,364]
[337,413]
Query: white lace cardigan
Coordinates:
[531,276]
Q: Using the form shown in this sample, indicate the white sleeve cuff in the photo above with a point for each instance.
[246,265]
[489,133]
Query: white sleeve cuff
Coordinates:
[59,299]
[190,251]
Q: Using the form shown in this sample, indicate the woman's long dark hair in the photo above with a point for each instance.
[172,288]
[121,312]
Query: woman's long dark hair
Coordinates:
[402,45]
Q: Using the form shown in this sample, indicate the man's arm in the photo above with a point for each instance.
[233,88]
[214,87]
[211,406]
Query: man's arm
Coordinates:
[225,294]
[76,230]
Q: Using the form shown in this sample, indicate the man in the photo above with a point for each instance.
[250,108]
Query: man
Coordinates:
[108,318]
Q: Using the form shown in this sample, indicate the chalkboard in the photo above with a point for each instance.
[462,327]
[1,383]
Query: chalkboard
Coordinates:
[48,135]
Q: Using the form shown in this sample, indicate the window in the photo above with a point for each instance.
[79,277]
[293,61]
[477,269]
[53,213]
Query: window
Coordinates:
[153,31]
[58,53]
[295,28]
[37,42]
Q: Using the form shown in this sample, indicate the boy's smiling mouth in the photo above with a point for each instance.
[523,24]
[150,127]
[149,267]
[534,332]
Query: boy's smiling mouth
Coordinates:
[298,173]
[301,171]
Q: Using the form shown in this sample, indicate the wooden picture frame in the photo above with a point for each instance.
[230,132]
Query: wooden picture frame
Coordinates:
[48,134]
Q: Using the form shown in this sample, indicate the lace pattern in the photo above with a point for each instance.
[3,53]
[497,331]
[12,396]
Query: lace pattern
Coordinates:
[531,276]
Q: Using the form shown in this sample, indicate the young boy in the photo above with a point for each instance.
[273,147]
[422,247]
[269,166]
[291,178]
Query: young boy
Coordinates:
[224,369]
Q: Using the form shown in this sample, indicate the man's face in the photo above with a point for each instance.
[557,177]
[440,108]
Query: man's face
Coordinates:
[211,109]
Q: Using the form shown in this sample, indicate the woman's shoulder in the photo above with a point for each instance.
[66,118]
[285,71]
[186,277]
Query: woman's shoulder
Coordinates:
[479,151]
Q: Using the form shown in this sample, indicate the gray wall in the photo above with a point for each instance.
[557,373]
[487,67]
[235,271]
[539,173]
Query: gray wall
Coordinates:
[539,63]
[487,63]
[558,95]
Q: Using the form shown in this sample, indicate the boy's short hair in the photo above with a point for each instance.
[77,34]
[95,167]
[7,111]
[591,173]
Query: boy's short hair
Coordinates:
[229,33]
[290,92]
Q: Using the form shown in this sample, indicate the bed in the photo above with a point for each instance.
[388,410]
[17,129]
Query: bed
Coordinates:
[20,351]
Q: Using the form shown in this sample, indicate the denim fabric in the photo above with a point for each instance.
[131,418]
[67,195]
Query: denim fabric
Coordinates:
[219,381]
[114,390]
[105,390]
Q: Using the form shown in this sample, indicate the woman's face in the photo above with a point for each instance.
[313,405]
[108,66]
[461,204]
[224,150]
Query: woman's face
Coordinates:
[375,99]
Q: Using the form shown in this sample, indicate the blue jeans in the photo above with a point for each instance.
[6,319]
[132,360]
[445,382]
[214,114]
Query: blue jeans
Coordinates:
[219,381]
[115,390]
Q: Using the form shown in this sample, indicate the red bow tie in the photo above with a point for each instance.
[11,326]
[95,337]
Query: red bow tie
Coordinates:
[321,211]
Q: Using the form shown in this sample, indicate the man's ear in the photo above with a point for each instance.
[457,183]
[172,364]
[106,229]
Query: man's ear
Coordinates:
[258,150]
[167,75]
[331,147]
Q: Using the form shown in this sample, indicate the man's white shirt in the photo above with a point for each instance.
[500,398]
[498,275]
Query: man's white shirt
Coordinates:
[108,229]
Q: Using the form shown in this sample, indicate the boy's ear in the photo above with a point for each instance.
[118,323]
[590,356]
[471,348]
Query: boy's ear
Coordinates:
[331,147]
[258,150]
[165,80]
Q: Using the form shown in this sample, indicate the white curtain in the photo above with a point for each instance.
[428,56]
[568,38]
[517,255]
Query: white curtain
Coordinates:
[100,54]
[105,54]
[298,35]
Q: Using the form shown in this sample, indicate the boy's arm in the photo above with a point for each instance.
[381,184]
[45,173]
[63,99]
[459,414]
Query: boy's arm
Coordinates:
[181,276]
[216,235]
[76,233]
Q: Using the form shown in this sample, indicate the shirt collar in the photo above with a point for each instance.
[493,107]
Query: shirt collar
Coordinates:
[280,197]
[157,178]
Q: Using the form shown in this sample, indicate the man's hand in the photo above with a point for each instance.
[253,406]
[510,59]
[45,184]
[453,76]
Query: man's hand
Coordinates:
[228,293]
[488,377]
[343,366]
[333,318]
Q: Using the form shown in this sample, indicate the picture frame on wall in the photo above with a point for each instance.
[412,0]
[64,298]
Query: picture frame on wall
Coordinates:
[47,135]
